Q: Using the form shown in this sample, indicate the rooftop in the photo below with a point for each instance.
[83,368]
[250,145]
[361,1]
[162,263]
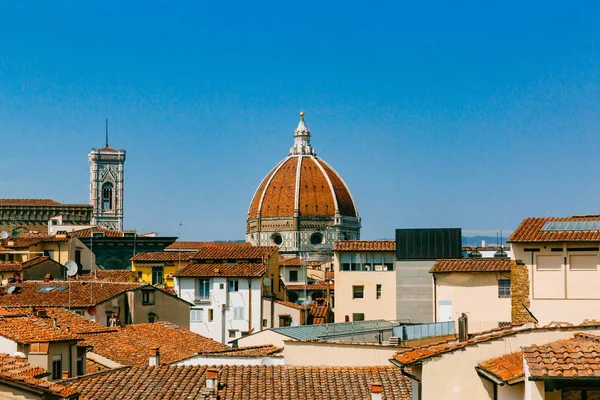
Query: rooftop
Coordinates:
[18,372]
[323,331]
[364,245]
[200,270]
[531,230]
[9,266]
[19,242]
[131,344]
[63,293]
[30,329]
[162,256]
[29,202]
[472,265]
[247,351]
[199,245]
[234,252]
[245,383]
[507,368]
[108,275]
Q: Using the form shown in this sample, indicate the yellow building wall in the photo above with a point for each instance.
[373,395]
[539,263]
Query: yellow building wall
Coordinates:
[168,270]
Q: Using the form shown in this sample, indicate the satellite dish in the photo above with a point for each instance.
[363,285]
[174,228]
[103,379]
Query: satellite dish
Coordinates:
[71,267]
[293,323]
[266,361]
[11,290]
[267,282]
[3,235]
[91,310]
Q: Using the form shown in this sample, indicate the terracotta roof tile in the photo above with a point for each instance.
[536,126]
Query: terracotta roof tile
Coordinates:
[18,371]
[530,231]
[246,383]
[507,368]
[364,245]
[163,256]
[199,270]
[329,275]
[28,202]
[472,265]
[92,367]
[234,252]
[131,344]
[574,358]
[87,232]
[108,275]
[29,329]
[19,242]
[200,245]
[248,351]
[9,266]
[310,286]
[65,293]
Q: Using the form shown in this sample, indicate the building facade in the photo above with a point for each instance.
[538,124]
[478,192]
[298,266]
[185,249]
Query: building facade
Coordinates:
[19,216]
[107,173]
[302,205]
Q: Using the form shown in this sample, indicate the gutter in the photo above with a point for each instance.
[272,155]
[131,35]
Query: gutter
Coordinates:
[489,376]
[403,371]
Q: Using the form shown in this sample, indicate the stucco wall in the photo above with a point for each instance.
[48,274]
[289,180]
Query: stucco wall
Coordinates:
[475,294]
[564,293]
[263,337]
[166,307]
[279,310]
[453,376]
[414,288]
[333,354]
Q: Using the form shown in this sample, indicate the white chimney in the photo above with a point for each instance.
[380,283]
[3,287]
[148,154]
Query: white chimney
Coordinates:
[376,390]
[212,378]
[154,357]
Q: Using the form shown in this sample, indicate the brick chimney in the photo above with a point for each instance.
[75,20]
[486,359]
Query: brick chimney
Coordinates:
[212,378]
[376,390]
[154,360]
[65,374]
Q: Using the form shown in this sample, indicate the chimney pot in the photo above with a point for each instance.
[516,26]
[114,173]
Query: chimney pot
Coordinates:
[212,378]
[154,360]
[65,374]
[376,391]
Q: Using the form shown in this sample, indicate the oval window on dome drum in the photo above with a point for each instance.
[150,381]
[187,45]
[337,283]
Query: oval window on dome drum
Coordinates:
[277,239]
[316,238]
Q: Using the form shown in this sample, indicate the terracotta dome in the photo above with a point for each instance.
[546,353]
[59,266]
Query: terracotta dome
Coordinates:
[304,183]
[302,202]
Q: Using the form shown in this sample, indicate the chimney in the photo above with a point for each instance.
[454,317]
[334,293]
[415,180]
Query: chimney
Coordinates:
[463,328]
[154,357]
[65,374]
[55,323]
[212,378]
[376,390]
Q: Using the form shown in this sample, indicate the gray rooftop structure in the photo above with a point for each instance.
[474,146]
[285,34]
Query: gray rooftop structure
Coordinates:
[339,330]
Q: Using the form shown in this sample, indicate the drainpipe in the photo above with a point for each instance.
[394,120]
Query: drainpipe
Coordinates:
[435,310]
[249,306]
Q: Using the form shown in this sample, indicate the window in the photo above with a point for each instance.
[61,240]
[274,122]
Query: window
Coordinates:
[358,292]
[293,276]
[152,318]
[358,317]
[147,297]
[56,367]
[277,239]
[232,333]
[345,267]
[378,291]
[503,287]
[239,313]
[233,285]
[78,259]
[107,196]
[285,320]
[79,312]
[203,290]
[197,315]
[221,286]
[316,238]
[210,314]
[264,324]
[157,275]
[80,366]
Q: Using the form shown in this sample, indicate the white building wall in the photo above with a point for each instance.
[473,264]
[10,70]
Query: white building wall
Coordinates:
[231,311]
[200,360]
[7,346]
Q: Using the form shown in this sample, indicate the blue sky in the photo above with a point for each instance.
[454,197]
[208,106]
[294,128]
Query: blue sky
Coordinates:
[437,114]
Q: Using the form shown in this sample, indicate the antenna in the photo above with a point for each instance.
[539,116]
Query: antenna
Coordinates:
[106,132]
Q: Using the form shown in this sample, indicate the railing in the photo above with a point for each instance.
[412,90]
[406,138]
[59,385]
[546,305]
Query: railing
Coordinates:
[421,331]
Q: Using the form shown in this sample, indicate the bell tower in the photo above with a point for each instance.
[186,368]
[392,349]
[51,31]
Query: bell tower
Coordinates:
[107,171]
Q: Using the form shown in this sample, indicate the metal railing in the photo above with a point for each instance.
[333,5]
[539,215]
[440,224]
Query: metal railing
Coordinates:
[421,331]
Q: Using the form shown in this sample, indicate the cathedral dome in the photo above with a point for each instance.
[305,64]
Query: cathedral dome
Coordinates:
[302,196]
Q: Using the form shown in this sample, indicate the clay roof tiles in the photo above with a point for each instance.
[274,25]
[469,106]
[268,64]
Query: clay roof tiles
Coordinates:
[310,286]
[364,245]
[108,275]
[472,265]
[19,372]
[17,242]
[234,252]
[28,202]
[131,344]
[201,270]
[87,232]
[530,231]
[248,351]
[570,358]
[27,330]
[245,383]
[9,266]
[65,293]
[200,245]
[507,367]
[162,256]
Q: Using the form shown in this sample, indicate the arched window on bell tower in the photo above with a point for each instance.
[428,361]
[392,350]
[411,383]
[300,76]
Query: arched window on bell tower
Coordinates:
[107,196]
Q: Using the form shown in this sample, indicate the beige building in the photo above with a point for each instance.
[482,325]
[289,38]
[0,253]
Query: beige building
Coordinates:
[365,280]
[453,370]
[562,258]
[478,287]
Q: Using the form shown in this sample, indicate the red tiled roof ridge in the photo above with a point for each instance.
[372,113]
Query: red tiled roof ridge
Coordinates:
[233,270]
[162,256]
[234,252]
[530,230]
[472,265]
[364,245]
[506,367]
[30,202]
